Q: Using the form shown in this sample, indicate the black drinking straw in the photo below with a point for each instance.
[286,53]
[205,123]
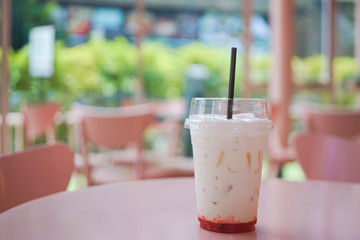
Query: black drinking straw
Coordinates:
[231,84]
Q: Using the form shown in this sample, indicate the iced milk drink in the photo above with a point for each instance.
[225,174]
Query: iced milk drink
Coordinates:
[228,157]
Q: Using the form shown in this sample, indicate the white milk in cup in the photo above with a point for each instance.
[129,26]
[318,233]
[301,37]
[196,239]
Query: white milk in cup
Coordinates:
[228,156]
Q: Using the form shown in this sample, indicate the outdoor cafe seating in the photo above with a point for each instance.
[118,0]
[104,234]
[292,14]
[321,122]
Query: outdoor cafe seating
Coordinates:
[115,128]
[112,143]
[114,81]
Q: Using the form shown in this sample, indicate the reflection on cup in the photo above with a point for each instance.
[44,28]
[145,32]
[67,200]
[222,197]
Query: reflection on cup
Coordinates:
[228,156]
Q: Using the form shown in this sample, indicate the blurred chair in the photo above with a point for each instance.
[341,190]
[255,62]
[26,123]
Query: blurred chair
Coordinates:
[39,120]
[278,155]
[166,132]
[170,115]
[114,129]
[332,120]
[169,119]
[112,145]
[172,109]
[328,157]
[34,173]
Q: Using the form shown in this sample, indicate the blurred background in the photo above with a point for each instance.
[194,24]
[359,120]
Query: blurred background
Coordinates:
[110,52]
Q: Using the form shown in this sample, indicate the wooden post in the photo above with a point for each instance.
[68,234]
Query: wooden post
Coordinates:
[247,39]
[330,15]
[5,44]
[140,34]
[357,31]
[280,86]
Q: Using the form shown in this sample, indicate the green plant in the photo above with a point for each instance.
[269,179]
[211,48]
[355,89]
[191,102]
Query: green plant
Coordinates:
[344,69]
[308,70]
[106,69]
[162,71]
[217,60]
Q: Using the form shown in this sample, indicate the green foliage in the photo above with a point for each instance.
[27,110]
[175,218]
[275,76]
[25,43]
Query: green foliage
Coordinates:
[308,70]
[344,69]
[217,60]
[115,61]
[106,69]
[313,70]
[162,71]
[77,70]
[261,68]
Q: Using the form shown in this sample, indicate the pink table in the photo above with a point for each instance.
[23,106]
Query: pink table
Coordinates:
[165,209]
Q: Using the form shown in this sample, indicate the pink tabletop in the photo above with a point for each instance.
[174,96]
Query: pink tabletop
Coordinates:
[166,209]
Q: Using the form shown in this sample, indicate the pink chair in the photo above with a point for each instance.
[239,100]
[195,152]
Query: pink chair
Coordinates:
[170,115]
[39,120]
[333,121]
[34,173]
[169,119]
[106,134]
[328,157]
[278,155]
[114,128]
[174,109]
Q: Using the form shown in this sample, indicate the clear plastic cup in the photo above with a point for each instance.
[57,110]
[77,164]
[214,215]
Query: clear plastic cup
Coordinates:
[228,156]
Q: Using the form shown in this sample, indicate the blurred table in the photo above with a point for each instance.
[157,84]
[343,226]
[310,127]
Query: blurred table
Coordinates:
[166,209]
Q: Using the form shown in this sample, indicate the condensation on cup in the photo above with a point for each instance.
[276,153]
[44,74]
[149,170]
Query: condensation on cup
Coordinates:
[228,156]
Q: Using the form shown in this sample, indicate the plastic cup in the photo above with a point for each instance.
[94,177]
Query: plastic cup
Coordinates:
[228,156]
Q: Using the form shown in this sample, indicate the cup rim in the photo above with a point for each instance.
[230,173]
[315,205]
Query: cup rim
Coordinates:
[225,98]
[196,118]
